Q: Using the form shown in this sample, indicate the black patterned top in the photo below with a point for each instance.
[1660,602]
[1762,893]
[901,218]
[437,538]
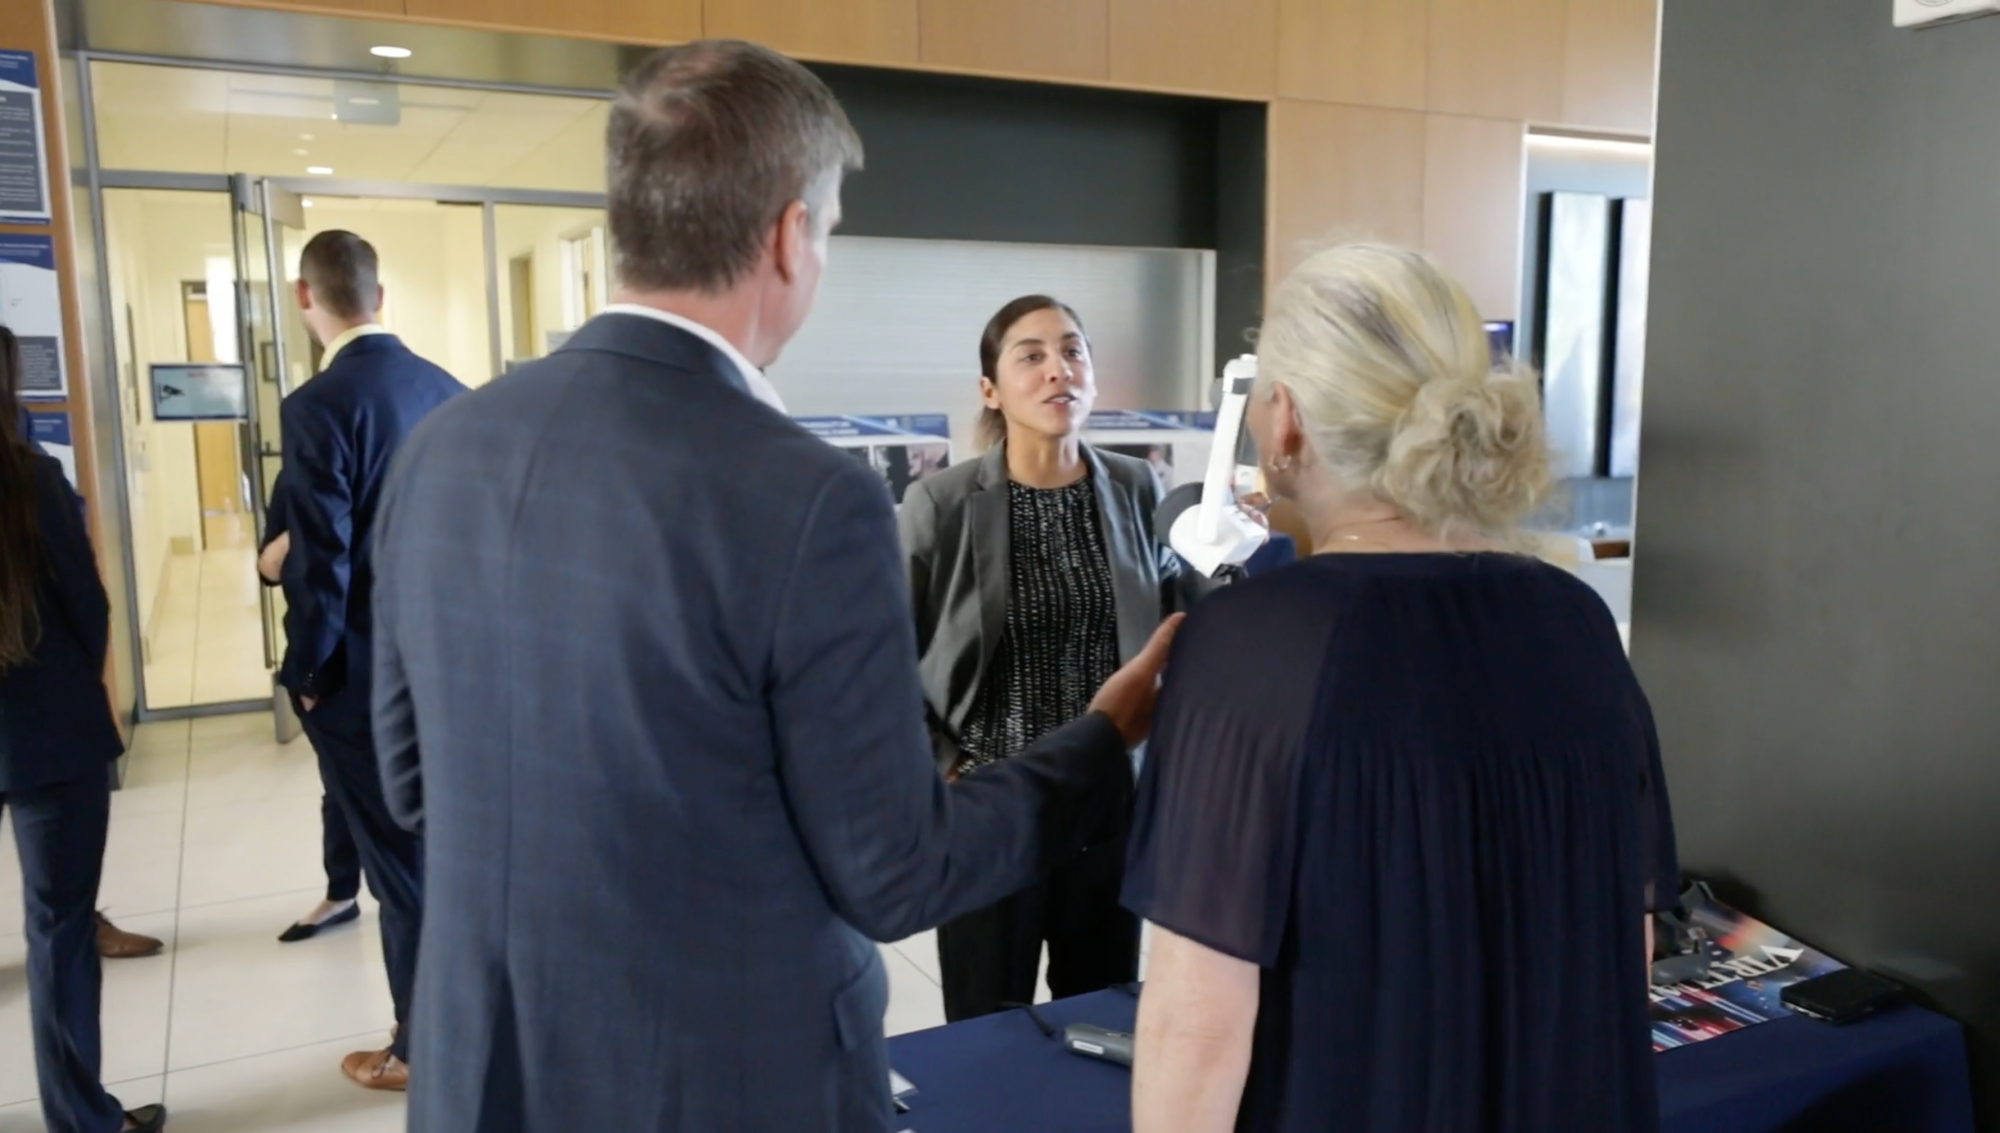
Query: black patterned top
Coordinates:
[1061,641]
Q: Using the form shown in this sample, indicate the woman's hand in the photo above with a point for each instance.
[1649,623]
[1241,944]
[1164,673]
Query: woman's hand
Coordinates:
[1197,1015]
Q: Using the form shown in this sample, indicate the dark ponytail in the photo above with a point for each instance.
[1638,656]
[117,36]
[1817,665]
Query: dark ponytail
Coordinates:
[20,535]
[992,426]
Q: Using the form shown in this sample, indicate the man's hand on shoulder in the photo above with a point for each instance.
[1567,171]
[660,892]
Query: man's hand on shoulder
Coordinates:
[1127,698]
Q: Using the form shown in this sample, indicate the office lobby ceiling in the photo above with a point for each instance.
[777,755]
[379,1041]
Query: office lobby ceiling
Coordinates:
[186,120]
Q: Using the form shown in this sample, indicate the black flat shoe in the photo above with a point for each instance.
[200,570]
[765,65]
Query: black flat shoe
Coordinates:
[148,1118]
[300,932]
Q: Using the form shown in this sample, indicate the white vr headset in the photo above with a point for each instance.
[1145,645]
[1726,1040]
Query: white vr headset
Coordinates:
[1203,523]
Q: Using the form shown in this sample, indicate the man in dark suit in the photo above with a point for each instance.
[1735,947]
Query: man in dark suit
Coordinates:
[647,678]
[340,431]
[338,853]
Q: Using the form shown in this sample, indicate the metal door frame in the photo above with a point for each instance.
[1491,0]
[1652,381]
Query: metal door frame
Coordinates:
[248,189]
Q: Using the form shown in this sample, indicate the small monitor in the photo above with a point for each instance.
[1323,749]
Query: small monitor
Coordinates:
[1500,337]
[204,391]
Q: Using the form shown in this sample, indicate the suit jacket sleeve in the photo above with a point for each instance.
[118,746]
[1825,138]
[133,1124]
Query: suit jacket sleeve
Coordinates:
[393,709]
[898,850]
[78,589]
[319,504]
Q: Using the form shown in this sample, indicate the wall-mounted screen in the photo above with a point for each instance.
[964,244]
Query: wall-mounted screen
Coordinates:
[200,392]
[1500,338]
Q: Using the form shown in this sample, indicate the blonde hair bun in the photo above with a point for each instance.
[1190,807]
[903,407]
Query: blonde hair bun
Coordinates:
[1387,361]
[1468,453]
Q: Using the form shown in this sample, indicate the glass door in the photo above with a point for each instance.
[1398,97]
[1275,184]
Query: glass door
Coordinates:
[275,349]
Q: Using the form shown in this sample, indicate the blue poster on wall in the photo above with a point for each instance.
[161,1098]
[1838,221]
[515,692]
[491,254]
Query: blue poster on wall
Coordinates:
[24,169]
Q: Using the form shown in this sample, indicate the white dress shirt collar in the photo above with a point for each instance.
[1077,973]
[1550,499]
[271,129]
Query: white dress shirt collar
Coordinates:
[345,339]
[760,386]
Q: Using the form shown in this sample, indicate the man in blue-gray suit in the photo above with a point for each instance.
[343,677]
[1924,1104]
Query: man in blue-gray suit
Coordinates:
[340,430]
[647,679]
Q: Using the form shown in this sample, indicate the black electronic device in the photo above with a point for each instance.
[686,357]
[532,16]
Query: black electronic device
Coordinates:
[1097,1042]
[1841,997]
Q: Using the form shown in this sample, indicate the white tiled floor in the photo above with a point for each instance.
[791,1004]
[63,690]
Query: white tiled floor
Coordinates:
[215,848]
[207,643]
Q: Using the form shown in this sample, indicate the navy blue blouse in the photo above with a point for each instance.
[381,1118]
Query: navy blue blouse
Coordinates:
[1423,794]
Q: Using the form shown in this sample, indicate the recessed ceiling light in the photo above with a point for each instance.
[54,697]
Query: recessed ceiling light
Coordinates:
[305,137]
[301,152]
[389,51]
[318,170]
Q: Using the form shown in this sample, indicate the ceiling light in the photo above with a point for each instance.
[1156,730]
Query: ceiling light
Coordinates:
[300,152]
[318,170]
[389,51]
[307,203]
[305,137]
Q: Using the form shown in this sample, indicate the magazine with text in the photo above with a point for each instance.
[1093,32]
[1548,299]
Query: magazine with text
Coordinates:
[1754,963]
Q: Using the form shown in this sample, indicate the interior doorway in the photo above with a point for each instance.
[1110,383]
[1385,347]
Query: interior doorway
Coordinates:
[486,209]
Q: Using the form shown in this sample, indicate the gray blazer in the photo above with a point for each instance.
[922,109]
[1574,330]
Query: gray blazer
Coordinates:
[645,677]
[955,544]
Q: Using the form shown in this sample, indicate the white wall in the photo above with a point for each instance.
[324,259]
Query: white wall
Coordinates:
[538,231]
[433,272]
[157,241]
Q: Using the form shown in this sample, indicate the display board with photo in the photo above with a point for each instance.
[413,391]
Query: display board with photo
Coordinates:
[1175,444]
[902,450]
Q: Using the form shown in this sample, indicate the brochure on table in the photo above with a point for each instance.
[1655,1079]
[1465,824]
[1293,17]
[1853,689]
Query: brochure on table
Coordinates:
[24,166]
[31,306]
[1753,964]
[902,450]
[1175,443]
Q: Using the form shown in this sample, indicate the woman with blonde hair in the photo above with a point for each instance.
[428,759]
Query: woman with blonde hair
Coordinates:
[1402,820]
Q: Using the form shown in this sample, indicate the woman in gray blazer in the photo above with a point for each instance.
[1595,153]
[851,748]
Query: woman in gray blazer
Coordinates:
[1035,574]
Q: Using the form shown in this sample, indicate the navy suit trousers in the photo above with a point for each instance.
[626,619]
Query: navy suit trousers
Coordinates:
[59,829]
[391,857]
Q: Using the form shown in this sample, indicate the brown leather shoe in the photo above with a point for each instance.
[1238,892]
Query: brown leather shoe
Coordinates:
[377,1070]
[114,943]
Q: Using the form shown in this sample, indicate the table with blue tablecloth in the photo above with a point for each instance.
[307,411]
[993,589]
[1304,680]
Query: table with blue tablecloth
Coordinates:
[1900,1072]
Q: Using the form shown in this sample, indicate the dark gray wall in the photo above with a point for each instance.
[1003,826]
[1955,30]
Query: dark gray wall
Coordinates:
[959,158]
[1817,597]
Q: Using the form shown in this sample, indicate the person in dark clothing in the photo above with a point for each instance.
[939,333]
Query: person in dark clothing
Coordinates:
[57,743]
[1384,782]
[1034,573]
[341,431]
[340,857]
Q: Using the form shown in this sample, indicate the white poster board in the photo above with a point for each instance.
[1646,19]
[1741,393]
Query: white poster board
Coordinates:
[31,307]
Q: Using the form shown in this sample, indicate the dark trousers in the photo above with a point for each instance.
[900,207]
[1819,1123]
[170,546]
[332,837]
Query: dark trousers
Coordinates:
[59,829]
[391,857]
[338,853]
[992,956]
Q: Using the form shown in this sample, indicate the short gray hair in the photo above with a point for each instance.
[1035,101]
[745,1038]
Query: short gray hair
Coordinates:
[708,143]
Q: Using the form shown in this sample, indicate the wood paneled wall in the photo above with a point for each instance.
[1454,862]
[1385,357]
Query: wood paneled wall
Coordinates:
[1398,118]
[1467,78]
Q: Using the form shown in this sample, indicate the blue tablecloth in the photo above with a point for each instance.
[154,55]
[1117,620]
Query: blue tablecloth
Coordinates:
[1902,1072]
